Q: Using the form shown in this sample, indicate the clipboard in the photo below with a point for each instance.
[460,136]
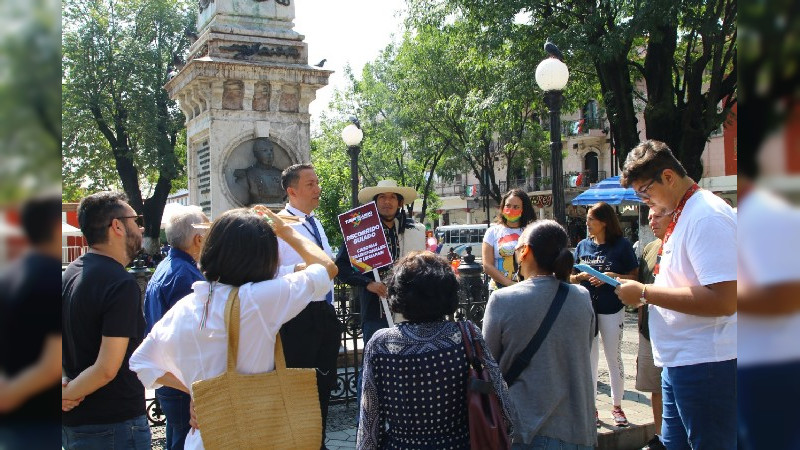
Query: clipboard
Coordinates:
[600,275]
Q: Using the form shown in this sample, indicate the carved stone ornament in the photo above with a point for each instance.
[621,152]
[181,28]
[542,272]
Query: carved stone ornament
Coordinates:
[204,4]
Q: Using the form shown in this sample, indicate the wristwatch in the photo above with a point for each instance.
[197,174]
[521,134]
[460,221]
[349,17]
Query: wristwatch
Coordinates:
[642,299]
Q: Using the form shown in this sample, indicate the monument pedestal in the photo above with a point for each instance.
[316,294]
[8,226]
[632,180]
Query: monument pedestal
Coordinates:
[246,77]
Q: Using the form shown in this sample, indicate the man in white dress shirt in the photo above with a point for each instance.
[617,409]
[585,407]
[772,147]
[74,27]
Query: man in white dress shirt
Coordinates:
[310,340]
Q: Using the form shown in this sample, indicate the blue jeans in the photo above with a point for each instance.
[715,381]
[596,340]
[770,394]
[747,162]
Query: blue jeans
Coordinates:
[175,405]
[768,412]
[548,443]
[368,328]
[699,406]
[131,434]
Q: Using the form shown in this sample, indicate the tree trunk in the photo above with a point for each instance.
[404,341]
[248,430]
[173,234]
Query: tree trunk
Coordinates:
[615,83]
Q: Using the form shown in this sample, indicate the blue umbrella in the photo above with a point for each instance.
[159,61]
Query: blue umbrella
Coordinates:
[609,191]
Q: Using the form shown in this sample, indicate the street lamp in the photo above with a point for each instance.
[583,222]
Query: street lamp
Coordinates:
[552,76]
[352,135]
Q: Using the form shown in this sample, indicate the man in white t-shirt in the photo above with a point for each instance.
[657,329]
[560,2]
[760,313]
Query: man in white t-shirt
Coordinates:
[769,303]
[693,298]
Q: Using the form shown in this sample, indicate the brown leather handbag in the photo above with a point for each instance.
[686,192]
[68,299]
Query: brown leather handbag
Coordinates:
[487,429]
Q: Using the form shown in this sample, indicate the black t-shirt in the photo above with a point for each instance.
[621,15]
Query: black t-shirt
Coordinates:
[617,257]
[29,314]
[100,298]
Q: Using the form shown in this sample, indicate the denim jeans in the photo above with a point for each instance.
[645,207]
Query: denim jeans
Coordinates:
[768,412]
[131,434]
[175,405]
[368,328]
[548,443]
[699,406]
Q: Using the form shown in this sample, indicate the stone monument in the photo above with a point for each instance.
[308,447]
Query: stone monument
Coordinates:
[245,91]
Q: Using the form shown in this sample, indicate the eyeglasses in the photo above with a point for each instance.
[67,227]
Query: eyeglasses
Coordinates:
[139,220]
[642,193]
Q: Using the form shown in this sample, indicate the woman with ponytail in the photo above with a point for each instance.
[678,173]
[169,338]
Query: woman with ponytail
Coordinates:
[516,212]
[553,393]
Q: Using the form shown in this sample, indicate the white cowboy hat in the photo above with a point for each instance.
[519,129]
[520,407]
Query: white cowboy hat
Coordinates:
[365,195]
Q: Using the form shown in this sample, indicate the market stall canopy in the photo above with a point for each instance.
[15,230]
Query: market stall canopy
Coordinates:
[609,191]
[69,230]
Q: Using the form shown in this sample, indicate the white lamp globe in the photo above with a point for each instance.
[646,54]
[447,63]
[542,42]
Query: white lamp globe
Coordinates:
[352,135]
[552,75]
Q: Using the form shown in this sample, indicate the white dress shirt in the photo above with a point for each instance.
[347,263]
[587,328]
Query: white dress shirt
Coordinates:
[287,256]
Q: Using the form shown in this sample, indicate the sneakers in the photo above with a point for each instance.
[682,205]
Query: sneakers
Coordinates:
[619,417]
[654,444]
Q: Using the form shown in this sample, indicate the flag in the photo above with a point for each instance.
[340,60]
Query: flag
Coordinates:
[472,190]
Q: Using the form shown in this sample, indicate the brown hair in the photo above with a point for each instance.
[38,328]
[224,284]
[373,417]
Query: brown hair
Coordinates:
[240,248]
[528,214]
[603,212]
[647,161]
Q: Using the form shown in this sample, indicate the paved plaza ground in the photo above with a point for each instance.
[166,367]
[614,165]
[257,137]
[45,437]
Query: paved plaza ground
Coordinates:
[342,418]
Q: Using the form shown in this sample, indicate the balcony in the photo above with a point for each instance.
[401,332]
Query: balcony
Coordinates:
[581,126]
[589,177]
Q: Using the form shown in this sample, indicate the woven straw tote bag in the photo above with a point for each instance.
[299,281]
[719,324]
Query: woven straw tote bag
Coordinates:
[273,410]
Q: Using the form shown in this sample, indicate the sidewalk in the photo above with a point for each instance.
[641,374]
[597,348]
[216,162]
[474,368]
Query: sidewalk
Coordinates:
[341,419]
[342,430]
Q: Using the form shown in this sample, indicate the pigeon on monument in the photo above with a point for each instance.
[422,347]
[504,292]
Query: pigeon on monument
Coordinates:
[553,51]
[321,63]
[191,35]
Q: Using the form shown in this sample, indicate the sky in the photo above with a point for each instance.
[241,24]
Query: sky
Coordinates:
[350,31]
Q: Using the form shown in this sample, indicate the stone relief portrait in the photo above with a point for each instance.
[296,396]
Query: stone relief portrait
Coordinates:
[253,172]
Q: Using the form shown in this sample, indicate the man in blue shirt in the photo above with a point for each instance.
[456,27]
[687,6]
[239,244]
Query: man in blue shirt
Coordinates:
[172,281]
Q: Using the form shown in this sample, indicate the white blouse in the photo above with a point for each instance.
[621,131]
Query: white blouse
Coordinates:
[176,343]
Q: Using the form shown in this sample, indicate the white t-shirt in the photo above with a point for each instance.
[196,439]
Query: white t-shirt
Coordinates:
[700,252]
[769,244]
[503,240]
[176,343]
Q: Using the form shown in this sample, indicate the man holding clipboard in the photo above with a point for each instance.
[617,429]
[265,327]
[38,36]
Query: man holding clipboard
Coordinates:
[402,236]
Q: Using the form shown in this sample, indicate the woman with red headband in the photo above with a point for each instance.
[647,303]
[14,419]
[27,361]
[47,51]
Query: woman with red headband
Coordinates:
[516,211]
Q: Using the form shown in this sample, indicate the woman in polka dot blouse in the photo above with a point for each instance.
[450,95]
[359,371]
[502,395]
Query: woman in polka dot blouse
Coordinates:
[415,373]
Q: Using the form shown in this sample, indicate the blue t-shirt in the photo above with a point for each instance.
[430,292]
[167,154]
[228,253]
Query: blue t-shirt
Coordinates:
[171,281]
[617,257]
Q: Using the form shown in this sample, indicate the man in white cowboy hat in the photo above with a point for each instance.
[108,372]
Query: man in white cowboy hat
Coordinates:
[403,236]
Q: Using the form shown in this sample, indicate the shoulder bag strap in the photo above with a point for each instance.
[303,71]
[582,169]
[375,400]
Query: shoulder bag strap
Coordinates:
[462,325]
[232,326]
[525,356]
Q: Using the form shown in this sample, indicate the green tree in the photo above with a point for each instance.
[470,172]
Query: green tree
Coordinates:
[684,51]
[120,127]
[30,117]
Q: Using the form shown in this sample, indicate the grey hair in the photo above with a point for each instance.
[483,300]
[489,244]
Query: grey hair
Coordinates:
[179,229]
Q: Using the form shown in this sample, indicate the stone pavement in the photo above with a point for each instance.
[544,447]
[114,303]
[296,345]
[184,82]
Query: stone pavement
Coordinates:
[341,419]
[342,430]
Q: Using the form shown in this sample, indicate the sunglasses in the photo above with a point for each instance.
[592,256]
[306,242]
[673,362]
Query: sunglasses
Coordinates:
[139,220]
[642,193]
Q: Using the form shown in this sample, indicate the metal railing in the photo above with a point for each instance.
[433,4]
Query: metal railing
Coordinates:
[472,305]
[581,126]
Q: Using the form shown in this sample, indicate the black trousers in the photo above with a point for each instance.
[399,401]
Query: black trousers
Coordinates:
[312,340]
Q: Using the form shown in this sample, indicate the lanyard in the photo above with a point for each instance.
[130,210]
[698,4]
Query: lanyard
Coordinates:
[317,237]
[671,227]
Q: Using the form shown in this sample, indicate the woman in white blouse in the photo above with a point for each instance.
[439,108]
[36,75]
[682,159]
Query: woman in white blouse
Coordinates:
[190,342]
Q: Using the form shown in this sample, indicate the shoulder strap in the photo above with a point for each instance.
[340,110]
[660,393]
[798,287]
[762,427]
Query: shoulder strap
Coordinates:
[525,356]
[232,326]
[465,338]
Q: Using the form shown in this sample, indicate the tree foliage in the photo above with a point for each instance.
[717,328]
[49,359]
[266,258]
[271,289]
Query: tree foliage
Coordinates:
[684,51]
[120,128]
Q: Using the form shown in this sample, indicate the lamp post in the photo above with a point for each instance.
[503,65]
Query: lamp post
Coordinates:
[552,76]
[352,135]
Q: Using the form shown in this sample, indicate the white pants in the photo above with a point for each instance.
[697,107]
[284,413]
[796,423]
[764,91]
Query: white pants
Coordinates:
[610,328]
